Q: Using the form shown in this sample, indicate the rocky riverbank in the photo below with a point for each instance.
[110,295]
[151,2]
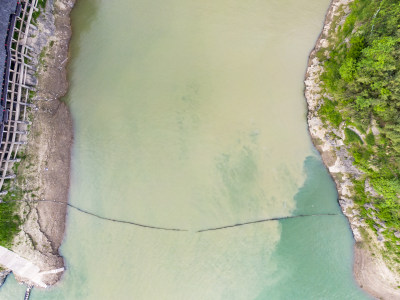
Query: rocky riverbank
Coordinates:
[45,171]
[370,269]
[3,276]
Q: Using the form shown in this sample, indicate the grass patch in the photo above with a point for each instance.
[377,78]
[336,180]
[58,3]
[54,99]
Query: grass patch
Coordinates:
[9,218]
[352,137]
[41,5]
[328,111]
[370,139]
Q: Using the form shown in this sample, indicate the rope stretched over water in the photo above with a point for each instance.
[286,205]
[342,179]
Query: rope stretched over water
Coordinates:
[174,229]
[265,220]
[101,217]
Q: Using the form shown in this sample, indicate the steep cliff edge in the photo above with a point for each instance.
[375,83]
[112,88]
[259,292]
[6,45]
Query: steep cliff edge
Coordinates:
[378,276]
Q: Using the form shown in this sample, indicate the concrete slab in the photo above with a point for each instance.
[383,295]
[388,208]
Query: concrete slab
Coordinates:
[21,267]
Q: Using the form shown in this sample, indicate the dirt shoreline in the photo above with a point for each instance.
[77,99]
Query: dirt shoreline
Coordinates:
[45,172]
[370,269]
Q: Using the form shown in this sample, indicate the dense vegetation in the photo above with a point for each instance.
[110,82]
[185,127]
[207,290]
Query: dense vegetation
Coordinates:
[363,80]
[9,218]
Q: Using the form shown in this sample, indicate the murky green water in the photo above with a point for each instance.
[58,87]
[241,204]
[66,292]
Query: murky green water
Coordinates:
[191,114]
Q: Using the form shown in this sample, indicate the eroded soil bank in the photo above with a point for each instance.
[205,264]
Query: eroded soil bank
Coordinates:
[45,171]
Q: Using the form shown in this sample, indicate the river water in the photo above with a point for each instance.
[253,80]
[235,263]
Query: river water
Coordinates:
[190,114]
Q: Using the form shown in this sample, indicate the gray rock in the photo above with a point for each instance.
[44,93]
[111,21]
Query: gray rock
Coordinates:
[3,276]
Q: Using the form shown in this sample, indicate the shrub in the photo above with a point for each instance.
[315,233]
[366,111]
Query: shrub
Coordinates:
[370,139]
[351,136]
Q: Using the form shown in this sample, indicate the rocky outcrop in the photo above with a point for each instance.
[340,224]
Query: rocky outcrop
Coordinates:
[370,270]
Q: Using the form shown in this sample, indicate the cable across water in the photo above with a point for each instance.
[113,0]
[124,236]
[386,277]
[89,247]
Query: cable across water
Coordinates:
[266,220]
[176,229]
[99,216]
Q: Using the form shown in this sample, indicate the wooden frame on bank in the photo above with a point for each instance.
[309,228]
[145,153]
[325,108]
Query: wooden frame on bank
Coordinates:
[13,127]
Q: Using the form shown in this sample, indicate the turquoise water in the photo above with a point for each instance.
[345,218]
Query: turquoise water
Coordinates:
[191,114]
[315,252]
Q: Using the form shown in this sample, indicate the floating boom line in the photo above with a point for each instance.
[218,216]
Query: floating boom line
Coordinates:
[266,220]
[99,216]
[176,229]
